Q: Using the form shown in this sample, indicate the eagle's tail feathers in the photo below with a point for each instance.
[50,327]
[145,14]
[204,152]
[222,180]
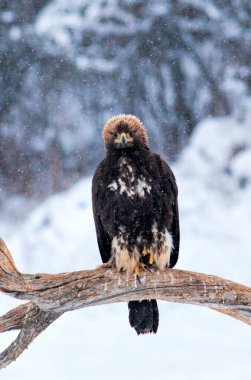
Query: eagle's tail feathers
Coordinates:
[144,316]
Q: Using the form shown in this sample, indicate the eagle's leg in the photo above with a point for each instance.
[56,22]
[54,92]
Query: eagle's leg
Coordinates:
[161,248]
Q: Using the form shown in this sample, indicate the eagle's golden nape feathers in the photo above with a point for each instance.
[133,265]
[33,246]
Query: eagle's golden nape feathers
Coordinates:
[132,122]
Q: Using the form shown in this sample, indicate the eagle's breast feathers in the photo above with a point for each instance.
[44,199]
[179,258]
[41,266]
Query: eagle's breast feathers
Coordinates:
[128,183]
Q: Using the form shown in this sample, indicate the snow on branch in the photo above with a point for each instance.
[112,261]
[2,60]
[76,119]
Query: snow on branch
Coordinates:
[53,294]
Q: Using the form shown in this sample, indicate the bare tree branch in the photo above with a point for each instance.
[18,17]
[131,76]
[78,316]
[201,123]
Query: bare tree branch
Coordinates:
[31,321]
[54,294]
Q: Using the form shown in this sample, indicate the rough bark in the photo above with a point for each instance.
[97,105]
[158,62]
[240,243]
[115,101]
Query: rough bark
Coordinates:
[54,294]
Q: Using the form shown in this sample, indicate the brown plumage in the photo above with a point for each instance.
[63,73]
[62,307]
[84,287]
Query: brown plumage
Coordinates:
[136,127]
[135,209]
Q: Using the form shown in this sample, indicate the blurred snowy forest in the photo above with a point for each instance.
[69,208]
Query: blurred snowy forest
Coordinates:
[66,66]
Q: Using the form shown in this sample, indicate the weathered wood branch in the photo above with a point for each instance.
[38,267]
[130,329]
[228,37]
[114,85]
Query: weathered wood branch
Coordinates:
[54,294]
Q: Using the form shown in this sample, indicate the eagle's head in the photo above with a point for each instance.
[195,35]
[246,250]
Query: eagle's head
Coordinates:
[124,131]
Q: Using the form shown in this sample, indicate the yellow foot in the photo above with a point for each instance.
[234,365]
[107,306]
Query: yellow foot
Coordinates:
[144,252]
[151,258]
[136,270]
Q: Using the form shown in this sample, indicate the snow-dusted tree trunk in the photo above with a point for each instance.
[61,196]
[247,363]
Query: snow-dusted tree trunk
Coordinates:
[54,294]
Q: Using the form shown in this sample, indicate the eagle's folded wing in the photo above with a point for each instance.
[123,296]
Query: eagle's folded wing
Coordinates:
[169,185]
[104,241]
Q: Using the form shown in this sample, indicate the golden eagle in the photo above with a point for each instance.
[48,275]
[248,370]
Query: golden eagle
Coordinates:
[135,207]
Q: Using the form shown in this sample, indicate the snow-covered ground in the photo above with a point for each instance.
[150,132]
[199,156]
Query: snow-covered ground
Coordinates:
[214,179]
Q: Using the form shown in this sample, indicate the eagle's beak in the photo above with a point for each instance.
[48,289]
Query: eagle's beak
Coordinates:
[123,138]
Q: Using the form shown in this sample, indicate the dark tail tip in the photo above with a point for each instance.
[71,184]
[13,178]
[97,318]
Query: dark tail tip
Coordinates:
[144,316]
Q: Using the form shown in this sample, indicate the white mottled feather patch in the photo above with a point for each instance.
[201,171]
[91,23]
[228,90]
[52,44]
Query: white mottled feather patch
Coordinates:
[113,186]
[124,260]
[142,187]
[126,183]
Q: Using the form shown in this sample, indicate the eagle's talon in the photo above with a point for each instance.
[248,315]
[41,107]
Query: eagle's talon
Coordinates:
[145,267]
[136,274]
[149,269]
